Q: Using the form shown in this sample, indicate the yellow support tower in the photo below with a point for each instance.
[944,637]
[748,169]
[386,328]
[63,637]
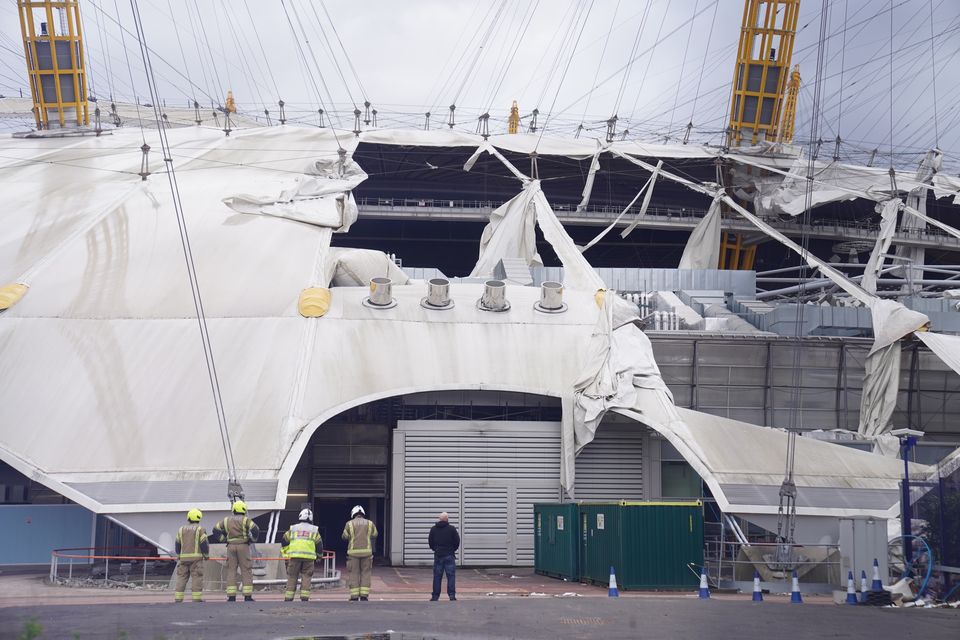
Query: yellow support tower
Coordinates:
[735,254]
[513,124]
[790,107]
[760,76]
[55,64]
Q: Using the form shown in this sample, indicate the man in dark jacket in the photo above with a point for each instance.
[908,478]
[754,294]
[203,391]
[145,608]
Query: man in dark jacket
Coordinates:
[444,541]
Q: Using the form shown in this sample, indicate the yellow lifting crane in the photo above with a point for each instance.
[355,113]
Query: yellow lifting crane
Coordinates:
[763,104]
[513,124]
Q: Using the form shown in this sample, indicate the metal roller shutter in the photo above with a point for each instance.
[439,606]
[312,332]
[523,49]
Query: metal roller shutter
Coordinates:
[610,468]
[486,475]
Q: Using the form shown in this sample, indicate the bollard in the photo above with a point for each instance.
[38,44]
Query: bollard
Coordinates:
[863,586]
[757,593]
[704,587]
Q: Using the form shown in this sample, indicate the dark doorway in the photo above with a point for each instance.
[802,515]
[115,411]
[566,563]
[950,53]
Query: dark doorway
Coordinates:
[330,514]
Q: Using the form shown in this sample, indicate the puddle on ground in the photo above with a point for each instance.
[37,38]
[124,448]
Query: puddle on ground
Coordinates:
[389,635]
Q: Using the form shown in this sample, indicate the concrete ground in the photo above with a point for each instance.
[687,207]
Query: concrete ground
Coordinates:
[491,604]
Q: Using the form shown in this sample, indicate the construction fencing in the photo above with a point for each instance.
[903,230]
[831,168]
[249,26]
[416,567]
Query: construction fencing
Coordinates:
[134,567]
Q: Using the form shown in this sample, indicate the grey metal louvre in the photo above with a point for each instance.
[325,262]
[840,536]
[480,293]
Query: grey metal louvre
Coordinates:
[344,480]
[611,467]
[486,475]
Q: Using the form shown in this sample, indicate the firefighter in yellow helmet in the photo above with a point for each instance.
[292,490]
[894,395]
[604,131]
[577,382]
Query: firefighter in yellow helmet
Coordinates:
[359,534]
[192,551]
[301,544]
[239,531]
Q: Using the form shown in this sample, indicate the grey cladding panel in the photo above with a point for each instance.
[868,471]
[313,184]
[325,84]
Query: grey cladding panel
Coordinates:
[172,491]
[817,497]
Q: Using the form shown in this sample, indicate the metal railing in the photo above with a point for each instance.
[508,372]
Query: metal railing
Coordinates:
[732,565]
[839,228]
[133,566]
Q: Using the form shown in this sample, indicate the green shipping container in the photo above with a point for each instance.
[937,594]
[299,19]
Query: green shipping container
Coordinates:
[556,541]
[650,545]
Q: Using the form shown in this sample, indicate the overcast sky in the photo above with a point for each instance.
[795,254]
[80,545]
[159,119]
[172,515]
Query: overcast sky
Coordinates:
[568,58]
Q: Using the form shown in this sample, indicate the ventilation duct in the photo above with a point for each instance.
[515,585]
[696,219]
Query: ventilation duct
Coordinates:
[494,296]
[551,298]
[438,295]
[380,294]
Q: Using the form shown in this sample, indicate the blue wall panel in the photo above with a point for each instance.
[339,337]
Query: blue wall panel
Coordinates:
[31,531]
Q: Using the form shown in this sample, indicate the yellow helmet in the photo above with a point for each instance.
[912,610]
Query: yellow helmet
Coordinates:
[239,506]
[194,515]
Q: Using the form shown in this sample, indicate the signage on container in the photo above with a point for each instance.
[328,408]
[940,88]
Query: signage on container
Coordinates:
[559,523]
[600,521]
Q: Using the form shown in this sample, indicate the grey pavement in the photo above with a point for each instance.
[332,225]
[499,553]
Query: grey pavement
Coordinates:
[673,617]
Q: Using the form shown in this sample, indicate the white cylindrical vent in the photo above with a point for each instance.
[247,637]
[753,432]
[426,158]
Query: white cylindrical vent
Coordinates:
[551,295]
[438,294]
[494,296]
[380,293]
[551,298]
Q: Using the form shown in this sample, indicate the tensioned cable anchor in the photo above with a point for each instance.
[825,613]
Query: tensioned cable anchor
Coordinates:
[216,119]
[322,123]
[266,114]
[96,121]
[533,120]
[366,112]
[145,161]
[226,121]
[611,128]
[426,122]
[374,112]
[483,125]
[356,122]
[283,116]
[196,112]
[686,136]
[451,122]
[836,149]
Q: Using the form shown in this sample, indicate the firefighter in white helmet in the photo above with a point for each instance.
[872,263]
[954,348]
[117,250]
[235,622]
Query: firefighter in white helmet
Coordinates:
[301,544]
[359,534]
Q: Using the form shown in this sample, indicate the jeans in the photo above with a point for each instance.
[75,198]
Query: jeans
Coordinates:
[444,565]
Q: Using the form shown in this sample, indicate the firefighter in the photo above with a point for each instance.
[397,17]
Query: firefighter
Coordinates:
[193,549]
[359,534]
[239,531]
[301,543]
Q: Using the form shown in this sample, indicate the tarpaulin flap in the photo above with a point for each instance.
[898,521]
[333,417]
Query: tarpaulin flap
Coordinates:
[357,267]
[947,348]
[511,233]
[702,250]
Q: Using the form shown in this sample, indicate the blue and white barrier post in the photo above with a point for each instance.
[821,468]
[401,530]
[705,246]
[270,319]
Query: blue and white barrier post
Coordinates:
[757,593]
[851,590]
[795,590]
[613,592]
[704,587]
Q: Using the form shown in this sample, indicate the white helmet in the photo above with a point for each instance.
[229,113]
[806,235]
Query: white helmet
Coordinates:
[306,515]
[357,509]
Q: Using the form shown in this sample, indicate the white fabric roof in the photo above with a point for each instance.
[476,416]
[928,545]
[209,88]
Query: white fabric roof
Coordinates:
[103,390]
